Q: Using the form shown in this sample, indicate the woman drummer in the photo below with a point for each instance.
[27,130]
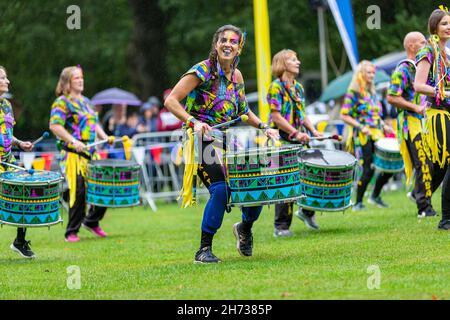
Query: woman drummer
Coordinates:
[7,141]
[286,99]
[215,94]
[433,80]
[75,124]
[363,112]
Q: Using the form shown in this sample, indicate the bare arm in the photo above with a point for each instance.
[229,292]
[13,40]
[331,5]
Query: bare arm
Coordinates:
[100,132]
[59,131]
[352,122]
[401,103]
[420,82]
[179,92]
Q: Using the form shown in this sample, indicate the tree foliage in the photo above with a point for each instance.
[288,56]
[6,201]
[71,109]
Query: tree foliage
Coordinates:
[145,46]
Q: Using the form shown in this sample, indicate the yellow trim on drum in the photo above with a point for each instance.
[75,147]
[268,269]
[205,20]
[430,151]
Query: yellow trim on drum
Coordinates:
[29,201]
[113,184]
[336,185]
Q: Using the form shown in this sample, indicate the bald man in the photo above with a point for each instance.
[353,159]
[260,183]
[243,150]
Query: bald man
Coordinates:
[412,108]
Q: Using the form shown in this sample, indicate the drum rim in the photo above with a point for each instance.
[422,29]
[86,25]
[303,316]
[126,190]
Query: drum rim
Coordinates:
[60,220]
[33,183]
[260,150]
[131,163]
[327,209]
[349,165]
[377,145]
[266,202]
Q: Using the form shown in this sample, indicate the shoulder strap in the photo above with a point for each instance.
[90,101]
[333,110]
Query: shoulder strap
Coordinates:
[408,61]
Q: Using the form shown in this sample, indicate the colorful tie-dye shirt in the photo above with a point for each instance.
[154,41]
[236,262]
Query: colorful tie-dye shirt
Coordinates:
[6,126]
[367,109]
[428,54]
[402,85]
[289,101]
[77,117]
[216,99]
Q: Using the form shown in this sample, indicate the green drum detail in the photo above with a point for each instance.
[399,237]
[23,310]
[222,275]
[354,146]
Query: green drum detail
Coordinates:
[113,183]
[263,175]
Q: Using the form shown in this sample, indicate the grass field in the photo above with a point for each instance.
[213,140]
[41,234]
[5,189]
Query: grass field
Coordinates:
[150,256]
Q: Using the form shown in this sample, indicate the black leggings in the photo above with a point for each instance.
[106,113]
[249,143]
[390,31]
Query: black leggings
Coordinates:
[368,171]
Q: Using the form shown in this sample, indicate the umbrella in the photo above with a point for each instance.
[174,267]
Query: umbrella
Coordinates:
[116,96]
[338,87]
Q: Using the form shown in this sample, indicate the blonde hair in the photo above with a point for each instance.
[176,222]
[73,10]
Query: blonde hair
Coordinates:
[358,82]
[63,86]
[3,68]
[279,62]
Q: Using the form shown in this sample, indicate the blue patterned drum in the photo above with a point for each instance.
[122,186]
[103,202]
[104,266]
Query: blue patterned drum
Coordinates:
[113,183]
[326,178]
[387,157]
[30,200]
[264,175]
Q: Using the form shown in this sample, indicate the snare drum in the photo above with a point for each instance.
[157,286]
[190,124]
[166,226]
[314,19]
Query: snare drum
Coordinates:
[387,157]
[264,175]
[30,200]
[113,183]
[326,178]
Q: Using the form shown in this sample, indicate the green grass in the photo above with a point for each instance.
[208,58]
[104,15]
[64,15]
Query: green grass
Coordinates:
[150,256]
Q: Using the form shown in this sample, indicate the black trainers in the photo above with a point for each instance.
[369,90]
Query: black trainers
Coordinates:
[428,212]
[378,202]
[244,242]
[23,249]
[310,221]
[205,255]
[444,225]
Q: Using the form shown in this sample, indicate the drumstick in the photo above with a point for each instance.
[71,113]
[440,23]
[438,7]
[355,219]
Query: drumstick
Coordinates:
[333,137]
[243,118]
[124,138]
[44,136]
[31,171]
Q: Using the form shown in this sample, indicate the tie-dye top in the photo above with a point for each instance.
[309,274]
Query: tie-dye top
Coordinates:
[6,126]
[76,116]
[289,101]
[216,100]
[402,84]
[427,53]
[367,109]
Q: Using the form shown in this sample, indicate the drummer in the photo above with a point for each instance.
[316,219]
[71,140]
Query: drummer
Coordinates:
[363,112]
[7,141]
[75,124]
[401,94]
[286,99]
[215,94]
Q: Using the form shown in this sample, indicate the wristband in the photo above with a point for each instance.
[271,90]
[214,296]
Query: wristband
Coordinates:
[17,142]
[73,140]
[191,121]
[263,126]
[292,135]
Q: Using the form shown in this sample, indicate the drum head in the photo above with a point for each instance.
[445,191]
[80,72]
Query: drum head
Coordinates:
[113,163]
[23,177]
[327,158]
[388,144]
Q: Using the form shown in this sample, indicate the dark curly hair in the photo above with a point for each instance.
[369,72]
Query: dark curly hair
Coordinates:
[213,53]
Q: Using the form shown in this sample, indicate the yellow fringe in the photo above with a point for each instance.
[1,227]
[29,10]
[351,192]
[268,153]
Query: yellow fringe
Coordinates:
[432,140]
[190,170]
[75,165]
